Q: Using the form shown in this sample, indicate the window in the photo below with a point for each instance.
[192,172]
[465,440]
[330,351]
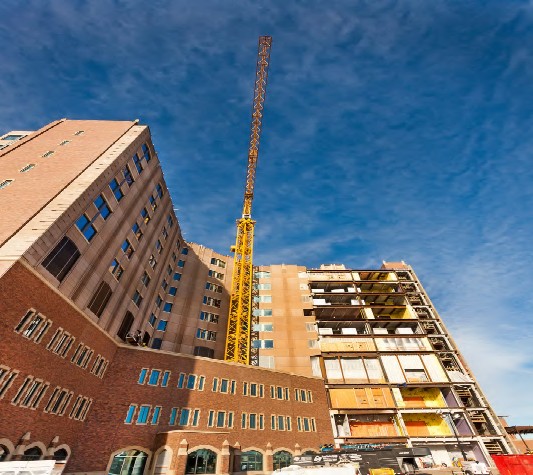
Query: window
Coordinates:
[158,246]
[4,183]
[137,298]
[313,344]
[169,270]
[281,423]
[279,392]
[47,154]
[166,375]
[173,415]
[100,298]
[310,327]
[224,386]
[263,286]
[185,251]
[154,377]
[262,275]
[264,344]
[244,419]
[164,232]
[262,327]
[33,326]
[162,325]
[263,298]
[153,204]
[65,142]
[86,228]
[177,276]
[221,419]
[253,389]
[261,421]
[115,269]
[129,415]
[215,385]
[143,414]
[208,317]
[7,376]
[211,301]
[233,387]
[302,396]
[159,190]
[262,312]
[261,390]
[252,421]
[181,263]
[172,291]
[125,326]
[169,221]
[230,420]
[286,391]
[306,424]
[218,262]
[203,351]
[155,417]
[164,284]
[158,301]
[152,262]
[273,422]
[211,418]
[206,335]
[79,132]
[103,208]
[137,232]
[145,279]
[128,249]
[146,153]
[145,216]
[215,274]
[137,163]
[195,417]
[181,379]
[272,392]
[191,381]
[13,137]
[128,177]
[213,287]
[167,307]
[288,420]
[309,396]
[201,381]
[156,343]
[27,168]
[142,375]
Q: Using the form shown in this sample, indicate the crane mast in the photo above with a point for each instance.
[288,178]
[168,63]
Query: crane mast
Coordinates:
[240,312]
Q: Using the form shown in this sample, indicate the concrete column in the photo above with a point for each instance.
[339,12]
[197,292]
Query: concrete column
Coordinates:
[297,449]
[269,459]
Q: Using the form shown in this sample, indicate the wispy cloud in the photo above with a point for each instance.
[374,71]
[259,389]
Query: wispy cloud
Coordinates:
[394,129]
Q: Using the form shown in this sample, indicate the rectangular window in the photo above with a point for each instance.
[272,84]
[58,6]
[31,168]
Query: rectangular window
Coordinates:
[152,320]
[154,377]
[185,251]
[215,384]
[115,188]
[245,389]
[158,301]
[86,228]
[167,307]
[61,259]
[159,190]
[137,163]
[191,381]
[288,423]
[173,415]
[152,262]
[230,420]
[201,381]
[164,232]
[309,398]
[306,424]
[281,423]
[261,421]
[216,275]
[159,246]
[263,298]
[212,302]
[262,275]
[265,344]
[180,380]
[218,262]
[100,298]
[143,414]
[177,276]
[263,286]
[209,317]
[102,206]
[33,326]
[279,392]
[169,221]
[262,327]
[145,216]
[162,325]
[146,153]
[116,270]
[184,419]
[296,394]
[65,142]
[137,231]
[221,419]
[273,422]
[302,396]
[169,270]
[261,390]
[181,263]
[224,386]
[233,387]
[299,421]
[142,375]
[272,392]
[313,425]
[129,415]
[195,417]
[253,389]
[166,375]
[172,291]
[155,416]
[243,421]
[262,312]
[253,421]
[153,204]
[287,394]
[128,249]
[137,298]
[128,177]
[47,154]
[211,418]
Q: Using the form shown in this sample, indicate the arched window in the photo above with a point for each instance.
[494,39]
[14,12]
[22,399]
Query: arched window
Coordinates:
[251,460]
[4,453]
[162,463]
[60,454]
[201,461]
[131,462]
[35,453]
[282,459]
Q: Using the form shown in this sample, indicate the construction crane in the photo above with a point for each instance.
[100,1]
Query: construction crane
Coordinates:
[240,311]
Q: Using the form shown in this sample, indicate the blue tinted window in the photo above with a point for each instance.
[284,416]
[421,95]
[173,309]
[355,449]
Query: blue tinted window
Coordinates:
[155,417]
[98,202]
[143,415]
[185,251]
[154,376]
[115,188]
[177,276]
[165,378]
[172,290]
[138,164]
[146,153]
[191,380]
[162,325]
[156,344]
[142,376]
[167,307]
[86,228]
[180,380]
[159,190]
[173,415]
[181,263]
[129,416]
[184,419]
[152,319]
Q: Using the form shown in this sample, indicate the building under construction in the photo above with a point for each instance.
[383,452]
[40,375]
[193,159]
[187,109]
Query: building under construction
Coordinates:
[126,349]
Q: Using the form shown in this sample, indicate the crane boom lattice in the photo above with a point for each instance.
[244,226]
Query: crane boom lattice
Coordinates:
[240,312]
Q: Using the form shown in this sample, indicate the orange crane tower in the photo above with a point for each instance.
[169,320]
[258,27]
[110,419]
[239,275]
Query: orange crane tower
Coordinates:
[240,311]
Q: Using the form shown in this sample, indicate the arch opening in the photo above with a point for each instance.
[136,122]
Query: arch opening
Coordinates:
[282,459]
[4,453]
[201,461]
[33,453]
[251,461]
[131,462]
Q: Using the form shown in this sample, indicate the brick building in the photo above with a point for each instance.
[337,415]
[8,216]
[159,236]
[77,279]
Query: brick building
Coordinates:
[113,332]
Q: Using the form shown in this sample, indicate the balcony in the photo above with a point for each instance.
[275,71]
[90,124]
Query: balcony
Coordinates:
[346,344]
[353,370]
[403,344]
[343,328]
[361,398]
[395,328]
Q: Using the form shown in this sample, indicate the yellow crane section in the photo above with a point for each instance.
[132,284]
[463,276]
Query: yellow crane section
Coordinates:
[240,311]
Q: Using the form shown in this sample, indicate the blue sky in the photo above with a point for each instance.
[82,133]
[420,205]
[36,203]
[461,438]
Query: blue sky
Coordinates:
[393,130]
